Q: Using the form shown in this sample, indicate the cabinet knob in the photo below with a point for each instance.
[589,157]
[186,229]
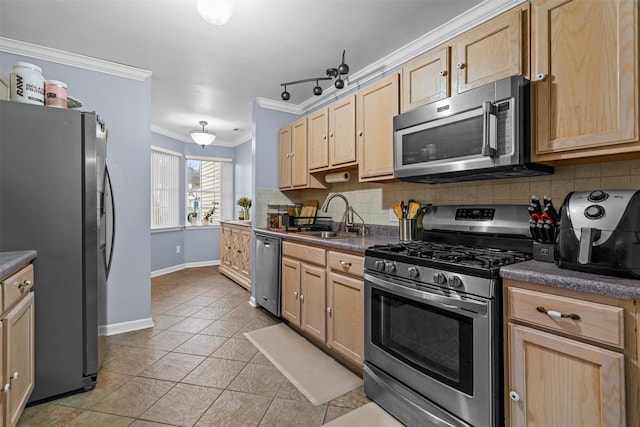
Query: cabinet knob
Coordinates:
[360,133]
[295,294]
[541,76]
[443,72]
[345,264]
[557,314]
[460,65]
[331,135]
[291,155]
[6,388]
[514,396]
[14,376]
[324,136]
[328,310]
[26,283]
[301,297]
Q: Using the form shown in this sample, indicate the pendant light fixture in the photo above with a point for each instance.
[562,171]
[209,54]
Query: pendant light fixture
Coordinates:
[215,12]
[332,73]
[202,137]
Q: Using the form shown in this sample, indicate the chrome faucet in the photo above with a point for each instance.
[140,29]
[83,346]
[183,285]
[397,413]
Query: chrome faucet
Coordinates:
[348,218]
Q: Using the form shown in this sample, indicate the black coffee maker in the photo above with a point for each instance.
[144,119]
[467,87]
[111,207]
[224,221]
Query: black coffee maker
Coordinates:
[599,232]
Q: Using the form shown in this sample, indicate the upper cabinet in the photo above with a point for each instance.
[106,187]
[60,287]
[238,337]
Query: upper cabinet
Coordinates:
[494,50]
[284,156]
[332,135]
[377,104]
[585,71]
[294,173]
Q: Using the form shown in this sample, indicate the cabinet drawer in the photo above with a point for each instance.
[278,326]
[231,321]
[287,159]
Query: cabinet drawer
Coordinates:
[346,263]
[15,286]
[598,322]
[306,253]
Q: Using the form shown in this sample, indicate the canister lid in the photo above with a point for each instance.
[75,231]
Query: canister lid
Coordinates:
[55,83]
[27,65]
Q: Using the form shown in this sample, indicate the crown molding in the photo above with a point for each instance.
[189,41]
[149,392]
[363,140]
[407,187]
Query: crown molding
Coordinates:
[67,58]
[475,16]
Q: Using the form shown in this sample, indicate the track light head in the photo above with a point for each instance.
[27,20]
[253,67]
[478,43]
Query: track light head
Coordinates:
[285,95]
[317,90]
[339,84]
[332,73]
[343,68]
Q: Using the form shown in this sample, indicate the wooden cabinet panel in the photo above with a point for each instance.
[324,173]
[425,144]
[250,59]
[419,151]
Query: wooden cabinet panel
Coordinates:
[299,171]
[377,104]
[425,79]
[585,63]
[235,253]
[291,291]
[345,316]
[345,263]
[285,150]
[565,383]
[598,322]
[309,254]
[16,286]
[492,51]
[342,132]
[318,139]
[19,357]
[313,300]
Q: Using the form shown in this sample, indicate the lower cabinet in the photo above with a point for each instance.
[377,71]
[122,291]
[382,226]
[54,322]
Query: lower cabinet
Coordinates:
[16,354]
[235,253]
[322,296]
[568,360]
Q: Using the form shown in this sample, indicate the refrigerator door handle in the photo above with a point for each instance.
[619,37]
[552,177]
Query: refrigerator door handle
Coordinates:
[110,219]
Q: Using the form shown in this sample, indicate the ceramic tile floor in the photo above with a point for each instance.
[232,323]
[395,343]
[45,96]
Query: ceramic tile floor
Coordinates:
[194,368]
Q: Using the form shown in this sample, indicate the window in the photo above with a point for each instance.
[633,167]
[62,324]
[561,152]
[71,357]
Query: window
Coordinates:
[165,188]
[205,177]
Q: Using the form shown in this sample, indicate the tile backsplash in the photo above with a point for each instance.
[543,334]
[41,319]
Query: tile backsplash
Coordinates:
[373,201]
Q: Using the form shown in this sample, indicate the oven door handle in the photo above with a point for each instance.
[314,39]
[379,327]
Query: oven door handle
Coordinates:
[445,302]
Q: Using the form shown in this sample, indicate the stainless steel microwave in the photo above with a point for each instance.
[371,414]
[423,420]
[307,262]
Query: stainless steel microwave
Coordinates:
[481,134]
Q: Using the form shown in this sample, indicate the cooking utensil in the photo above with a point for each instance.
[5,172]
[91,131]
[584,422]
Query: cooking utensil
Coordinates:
[397,209]
[402,208]
[308,212]
[413,210]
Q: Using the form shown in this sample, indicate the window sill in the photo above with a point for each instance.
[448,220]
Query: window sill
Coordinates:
[166,229]
[201,227]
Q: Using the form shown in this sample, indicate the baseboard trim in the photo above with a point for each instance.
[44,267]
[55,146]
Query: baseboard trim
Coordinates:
[179,267]
[119,328]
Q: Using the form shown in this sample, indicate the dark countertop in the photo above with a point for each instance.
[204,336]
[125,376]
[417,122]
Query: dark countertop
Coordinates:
[11,262]
[547,273]
[356,243]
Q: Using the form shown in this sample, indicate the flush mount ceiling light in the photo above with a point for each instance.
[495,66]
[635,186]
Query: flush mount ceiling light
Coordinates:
[215,12]
[337,73]
[202,137]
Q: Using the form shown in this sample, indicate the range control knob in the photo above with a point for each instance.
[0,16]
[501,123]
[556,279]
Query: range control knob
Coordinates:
[379,265]
[594,212]
[597,196]
[439,278]
[413,272]
[455,282]
[390,267]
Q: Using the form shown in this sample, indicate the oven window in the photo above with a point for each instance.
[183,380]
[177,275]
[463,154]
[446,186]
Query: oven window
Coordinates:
[448,141]
[436,342]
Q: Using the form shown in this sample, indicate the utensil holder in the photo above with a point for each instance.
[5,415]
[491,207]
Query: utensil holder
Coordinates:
[408,229]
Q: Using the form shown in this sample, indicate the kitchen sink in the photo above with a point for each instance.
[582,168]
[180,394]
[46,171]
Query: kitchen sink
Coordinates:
[327,234]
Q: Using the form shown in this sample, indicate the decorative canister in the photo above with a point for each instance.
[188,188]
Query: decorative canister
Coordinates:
[55,94]
[27,83]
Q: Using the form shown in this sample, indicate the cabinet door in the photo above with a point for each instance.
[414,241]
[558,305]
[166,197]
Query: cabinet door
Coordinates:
[318,139]
[377,104]
[299,171]
[285,151]
[562,382]
[425,79]
[492,51]
[345,316]
[226,246]
[19,357]
[291,291]
[585,62]
[342,132]
[244,252]
[313,300]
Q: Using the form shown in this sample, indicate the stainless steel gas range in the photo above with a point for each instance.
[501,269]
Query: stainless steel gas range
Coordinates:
[433,316]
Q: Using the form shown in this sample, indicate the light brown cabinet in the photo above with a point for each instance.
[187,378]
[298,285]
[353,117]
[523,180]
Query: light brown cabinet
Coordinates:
[566,357]
[377,104]
[323,297]
[284,157]
[235,253]
[332,136]
[17,333]
[494,50]
[294,172]
[585,72]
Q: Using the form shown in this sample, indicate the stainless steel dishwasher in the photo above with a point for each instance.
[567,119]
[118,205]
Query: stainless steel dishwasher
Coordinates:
[267,285]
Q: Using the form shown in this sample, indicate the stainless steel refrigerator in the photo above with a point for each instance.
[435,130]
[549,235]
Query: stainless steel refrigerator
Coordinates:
[55,197]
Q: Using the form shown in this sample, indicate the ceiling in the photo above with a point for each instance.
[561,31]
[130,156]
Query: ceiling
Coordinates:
[213,73]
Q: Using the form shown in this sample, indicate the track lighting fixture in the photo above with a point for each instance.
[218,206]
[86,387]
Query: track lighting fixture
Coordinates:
[332,73]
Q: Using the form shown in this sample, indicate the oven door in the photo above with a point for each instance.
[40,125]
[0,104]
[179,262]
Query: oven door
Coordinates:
[436,343]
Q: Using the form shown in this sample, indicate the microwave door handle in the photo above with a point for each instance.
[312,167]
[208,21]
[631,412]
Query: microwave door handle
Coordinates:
[487,111]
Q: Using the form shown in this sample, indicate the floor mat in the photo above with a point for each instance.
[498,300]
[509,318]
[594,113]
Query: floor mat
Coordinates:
[319,377]
[369,415]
